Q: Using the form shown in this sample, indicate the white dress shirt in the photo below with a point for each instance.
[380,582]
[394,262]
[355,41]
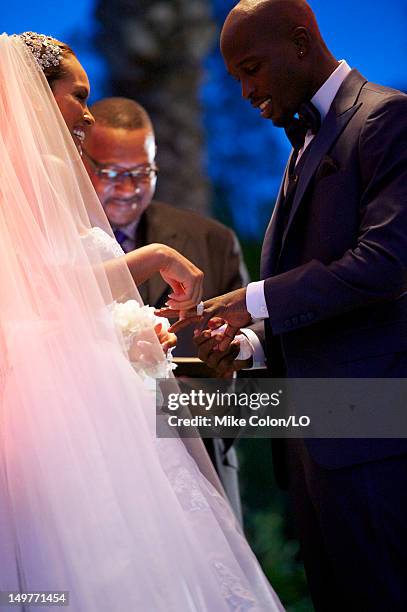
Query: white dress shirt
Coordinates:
[255,298]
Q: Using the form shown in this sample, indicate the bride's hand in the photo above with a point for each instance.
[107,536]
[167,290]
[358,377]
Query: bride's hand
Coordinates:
[165,338]
[184,278]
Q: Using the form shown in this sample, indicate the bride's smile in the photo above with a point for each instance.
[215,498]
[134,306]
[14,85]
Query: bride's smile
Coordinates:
[71,93]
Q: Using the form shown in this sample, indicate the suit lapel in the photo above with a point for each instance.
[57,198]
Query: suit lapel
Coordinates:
[329,132]
[344,106]
[270,250]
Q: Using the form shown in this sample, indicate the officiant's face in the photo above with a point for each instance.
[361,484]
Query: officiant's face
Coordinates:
[115,150]
[266,63]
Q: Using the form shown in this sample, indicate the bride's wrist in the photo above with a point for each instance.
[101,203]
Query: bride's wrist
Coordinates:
[164,255]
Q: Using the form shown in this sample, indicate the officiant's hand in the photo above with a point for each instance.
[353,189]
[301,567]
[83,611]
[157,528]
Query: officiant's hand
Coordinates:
[231,307]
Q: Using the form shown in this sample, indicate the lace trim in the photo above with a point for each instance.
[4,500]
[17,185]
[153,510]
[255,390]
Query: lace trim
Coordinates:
[106,245]
[235,594]
[188,491]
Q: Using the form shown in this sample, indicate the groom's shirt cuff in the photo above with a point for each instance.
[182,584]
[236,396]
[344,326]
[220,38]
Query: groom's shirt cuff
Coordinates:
[256,301]
[250,346]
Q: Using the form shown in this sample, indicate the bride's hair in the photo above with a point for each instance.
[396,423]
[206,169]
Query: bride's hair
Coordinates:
[53,73]
[49,53]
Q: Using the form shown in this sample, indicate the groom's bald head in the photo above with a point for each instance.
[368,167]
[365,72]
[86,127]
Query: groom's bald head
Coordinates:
[274,48]
[273,16]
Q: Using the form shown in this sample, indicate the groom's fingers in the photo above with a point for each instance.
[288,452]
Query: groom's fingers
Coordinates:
[201,323]
[219,361]
[183,323]
[201,338]
[168,313]
[227,337]
[225,365]
[205,351]
[215,322]
[222,362]
[188,317]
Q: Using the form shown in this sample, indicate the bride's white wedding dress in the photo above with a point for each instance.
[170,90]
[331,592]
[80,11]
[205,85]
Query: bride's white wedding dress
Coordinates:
[92,503]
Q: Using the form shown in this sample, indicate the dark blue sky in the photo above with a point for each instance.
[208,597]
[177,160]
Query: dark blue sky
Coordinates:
[371,34]
[243,164]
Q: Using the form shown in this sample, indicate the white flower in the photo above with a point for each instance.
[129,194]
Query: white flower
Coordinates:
[130,317]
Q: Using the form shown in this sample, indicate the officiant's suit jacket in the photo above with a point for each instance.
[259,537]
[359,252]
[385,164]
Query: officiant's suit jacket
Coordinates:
[210,245]
[336,275]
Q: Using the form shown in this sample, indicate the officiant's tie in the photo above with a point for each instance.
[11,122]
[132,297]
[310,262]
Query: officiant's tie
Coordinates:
[120,237]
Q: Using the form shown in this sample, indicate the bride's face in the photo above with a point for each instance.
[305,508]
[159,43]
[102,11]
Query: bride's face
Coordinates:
[71,93]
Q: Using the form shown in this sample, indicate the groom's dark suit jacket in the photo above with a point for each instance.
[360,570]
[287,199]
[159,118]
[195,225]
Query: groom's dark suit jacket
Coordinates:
[336,290]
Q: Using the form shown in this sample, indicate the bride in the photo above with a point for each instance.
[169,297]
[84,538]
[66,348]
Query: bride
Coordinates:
[91,502]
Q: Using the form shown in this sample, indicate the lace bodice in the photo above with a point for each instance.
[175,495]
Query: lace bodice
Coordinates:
[106,245]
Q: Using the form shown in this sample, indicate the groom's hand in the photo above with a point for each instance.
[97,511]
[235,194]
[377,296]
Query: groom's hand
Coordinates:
[231,307]
[223,362]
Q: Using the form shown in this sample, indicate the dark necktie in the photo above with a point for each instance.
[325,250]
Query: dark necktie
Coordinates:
[120,237]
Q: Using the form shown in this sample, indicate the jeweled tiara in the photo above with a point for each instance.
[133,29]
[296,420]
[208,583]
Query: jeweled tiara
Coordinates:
[43,48]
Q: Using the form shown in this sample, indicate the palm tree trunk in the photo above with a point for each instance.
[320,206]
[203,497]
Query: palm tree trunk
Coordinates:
[154,50]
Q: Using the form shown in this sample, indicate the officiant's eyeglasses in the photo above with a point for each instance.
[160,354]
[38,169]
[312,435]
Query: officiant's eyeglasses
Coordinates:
[143,172]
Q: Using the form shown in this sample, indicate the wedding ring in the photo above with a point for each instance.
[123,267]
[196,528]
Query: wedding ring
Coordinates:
[200,309]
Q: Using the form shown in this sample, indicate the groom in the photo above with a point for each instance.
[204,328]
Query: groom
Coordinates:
[334,292]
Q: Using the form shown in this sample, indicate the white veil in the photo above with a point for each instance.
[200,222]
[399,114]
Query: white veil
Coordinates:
[48,209]
[90,501]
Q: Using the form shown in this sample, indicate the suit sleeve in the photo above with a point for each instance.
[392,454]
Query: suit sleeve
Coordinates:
[375,270]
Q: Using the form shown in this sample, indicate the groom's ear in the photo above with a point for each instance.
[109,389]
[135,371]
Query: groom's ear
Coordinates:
[300,36]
